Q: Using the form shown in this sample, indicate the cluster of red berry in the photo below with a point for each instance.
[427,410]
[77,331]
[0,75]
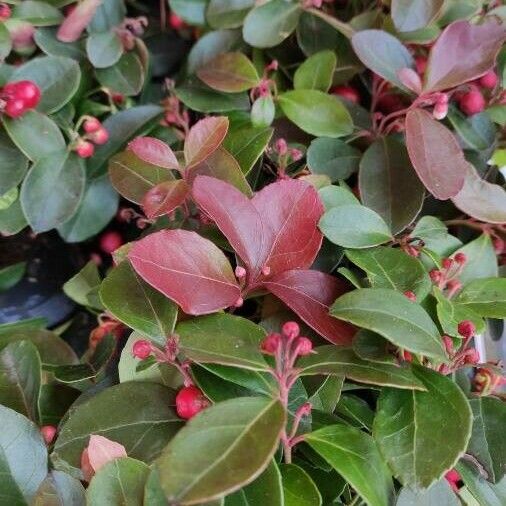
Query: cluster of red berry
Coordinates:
[19,97]
[473,101]
[95,133]
[288,342]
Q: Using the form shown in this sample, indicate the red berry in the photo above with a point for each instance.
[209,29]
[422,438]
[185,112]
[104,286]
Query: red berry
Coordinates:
[190,401]
[421,64]
[5,12]
[271,343]
[489,80]
[110,241]
[410,295]
[407,356]
[466,328]
[304,346]
[85,149]
[91,125]
[14,108]
[290,329]
[141,349]
[452,475]
[48,433]
[101,136]
[347,92]
[27,91]
[175,21]
[118,98]
[472,102]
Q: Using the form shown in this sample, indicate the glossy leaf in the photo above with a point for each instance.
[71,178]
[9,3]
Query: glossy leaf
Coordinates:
[204,138]
[104,49]
[241,436]
[334,360]
[298,487]
[335,196]
[127,413]
[223,339]
[354,455]
[125,77]
[485,296]
[13,164]
[132,301]
[164,198]
[46,40]
[404,428]
[479,488]
[316,72]
[154,151]
[316,113]
[439,493]
[60,489]
[310,293]
[390,314]
[463,52]
[82,287]
[191,11]
[481,260]
[228,13]
[229,73]
[372,347]
[435,155]
[411,15]
[354,226]
[389,185]
[173,261]
[392,268]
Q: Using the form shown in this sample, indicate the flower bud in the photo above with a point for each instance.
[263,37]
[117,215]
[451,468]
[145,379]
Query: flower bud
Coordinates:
[472,356]
[410,295]
[435,275]
[266,270]
[440,110]
[271,343]
[239,302]
[141,349]
[240,272]
[304,346]
[48,433]
[291,330]
[447,263]
[466,328]
[460,258]
[281,147]
[453,285]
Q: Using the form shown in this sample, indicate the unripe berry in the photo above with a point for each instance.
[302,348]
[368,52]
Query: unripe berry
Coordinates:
[466,328]
[14,108]
[271,343]
[5,12]
[101,136]
[190,401]
[346,92]
[48,433]
[489,80]
[472,102]
[110,241]
[91,125]
[410,295]
[85,149]
[291,330]
[304,346]
[460,258]
[141,349]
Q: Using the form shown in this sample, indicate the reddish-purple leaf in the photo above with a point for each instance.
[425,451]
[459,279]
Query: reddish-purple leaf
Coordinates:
[463,52]
[164,198]
[154,151]
[435,154]
[188,269]
[102,450]
[75,23]
[290,211]
[310,294]
[410,79]
[204,138]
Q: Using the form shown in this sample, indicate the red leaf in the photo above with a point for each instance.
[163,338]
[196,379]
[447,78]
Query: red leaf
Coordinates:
[75,23]
[310,294]
[164,198]
[435,154]
[188,269]
[154,151]
[463,52]
[204,138]
[102,450]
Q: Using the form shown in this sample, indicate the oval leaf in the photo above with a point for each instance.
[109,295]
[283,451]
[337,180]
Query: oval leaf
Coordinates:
[163,198]
[154,151]
[316,72]
[411,15]
[204,138]
[75,23]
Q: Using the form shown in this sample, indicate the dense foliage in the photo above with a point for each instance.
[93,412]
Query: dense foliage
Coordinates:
[317,210]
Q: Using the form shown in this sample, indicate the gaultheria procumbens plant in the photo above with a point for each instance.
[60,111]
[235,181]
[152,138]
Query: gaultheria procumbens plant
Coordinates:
[323,222]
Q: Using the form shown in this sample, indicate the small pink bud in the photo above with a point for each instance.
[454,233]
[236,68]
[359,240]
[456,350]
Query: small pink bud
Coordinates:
[447,263]
[466,328]
[489,80]
[440,111]
[281,147]
[272,66]
[435,275]
[141,349]
[448,342]
[410,295]
[92,125]
[271,343]
[472,356]
[296,154]
[101,136]
[48,433]
[453,285]
[304,346]
[240,272]
[239,302]
[460,258]
[291,330]
[266,270]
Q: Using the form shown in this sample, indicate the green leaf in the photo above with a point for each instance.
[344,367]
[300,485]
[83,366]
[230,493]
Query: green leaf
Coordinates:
[440,494]
[316,72]
[125,77]
[354,455]
[270,24]
[138,415]
[354,226]
[356,411]
[54,402]
[104,49]
[132,301]
[435,236]
[393,316]
[46,39]
[405,423]
[229,73]
[333,157]
[372,347]
[13,164]
[316,113]
[411,15]
[221,449]
[82,287]
[23,465]
[52,190]
[266,489]
[5,42]
[487,443]
[20,378]
[109,15]
[120,481]
[298,487]
[484,492]
[481,260]
[389,185]
[335,196]
[11,275]
[57,77]
[329,359]
[228,13]
[60,489]
[36,135]
[191,11]
[392,268]
[37,13]
[486,297]
[477,131]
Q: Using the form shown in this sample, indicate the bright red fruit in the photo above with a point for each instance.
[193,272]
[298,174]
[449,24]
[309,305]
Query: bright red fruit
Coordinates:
[27,91]
[110,241]
[489,80]
[48,433]
[472,102]
[5,12]
[141,349]
[101,136]
[14,108]
[85,149]
[347,92]
[91,125]
[175,21]
[190,401]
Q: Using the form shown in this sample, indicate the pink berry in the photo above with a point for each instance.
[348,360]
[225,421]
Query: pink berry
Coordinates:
[346,92]
[91,125]
[85,149]
[304,346]
[27,91]
[48,433]
[489,80]
[14,108]
[410,295]
[190,401]
[466,328]
[5,12]
[291,330]
[271,343]
[472,102]
[110,241]
[101,136]
[141,349]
